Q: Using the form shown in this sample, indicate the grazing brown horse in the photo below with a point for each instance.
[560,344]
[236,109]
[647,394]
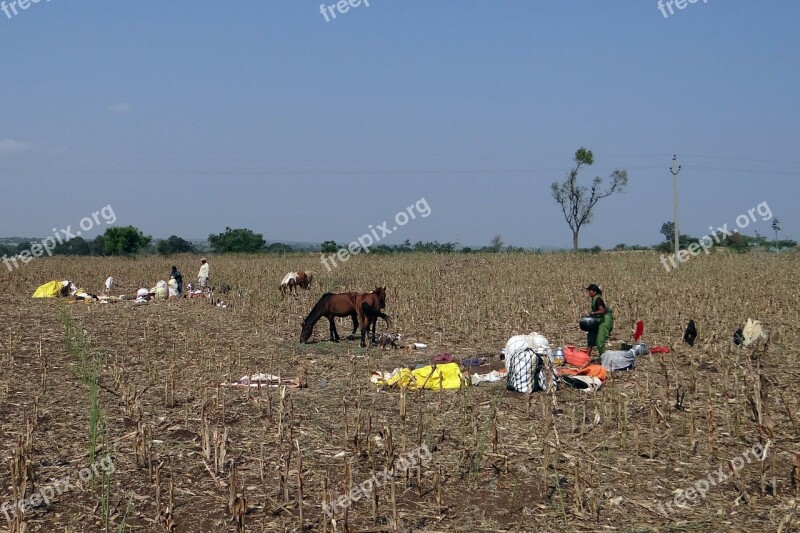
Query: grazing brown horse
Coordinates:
[331,305]
[368,307]
[341,304]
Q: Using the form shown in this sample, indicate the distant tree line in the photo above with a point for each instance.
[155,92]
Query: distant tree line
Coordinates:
[130,241]
[735,241]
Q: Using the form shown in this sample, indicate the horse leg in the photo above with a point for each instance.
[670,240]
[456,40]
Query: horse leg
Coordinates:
[334,333]
[363,322]
[364,335]
[354,316]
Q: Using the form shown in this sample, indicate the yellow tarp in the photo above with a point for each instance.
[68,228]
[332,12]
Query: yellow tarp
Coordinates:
[444,376]
[51,289]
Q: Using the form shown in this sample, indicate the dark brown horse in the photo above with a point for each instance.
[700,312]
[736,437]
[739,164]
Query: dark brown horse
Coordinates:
[331,305]
[368,307]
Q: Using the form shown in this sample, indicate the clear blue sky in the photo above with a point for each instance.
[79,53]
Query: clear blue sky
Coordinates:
[187,117]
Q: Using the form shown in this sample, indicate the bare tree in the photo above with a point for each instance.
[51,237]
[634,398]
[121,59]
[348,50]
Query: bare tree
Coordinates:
[577,201]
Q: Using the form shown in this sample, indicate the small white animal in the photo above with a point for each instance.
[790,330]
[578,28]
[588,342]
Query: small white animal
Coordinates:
[389,339]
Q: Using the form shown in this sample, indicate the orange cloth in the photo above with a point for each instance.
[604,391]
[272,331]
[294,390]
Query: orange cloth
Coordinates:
[595,371]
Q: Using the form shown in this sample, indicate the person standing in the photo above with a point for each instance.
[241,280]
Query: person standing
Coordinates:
[202,276]
[602,313]
[178,277]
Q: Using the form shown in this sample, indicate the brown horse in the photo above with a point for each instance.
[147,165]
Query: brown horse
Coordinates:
[331,305]
[341,304]
[368,307]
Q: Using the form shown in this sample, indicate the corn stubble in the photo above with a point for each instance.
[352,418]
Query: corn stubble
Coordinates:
[193,454]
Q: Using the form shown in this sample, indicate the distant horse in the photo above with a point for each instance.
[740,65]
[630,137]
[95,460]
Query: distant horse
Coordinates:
[292,280]
[368,307]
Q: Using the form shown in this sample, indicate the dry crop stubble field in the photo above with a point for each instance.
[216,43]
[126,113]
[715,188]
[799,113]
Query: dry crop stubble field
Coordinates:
[143,385]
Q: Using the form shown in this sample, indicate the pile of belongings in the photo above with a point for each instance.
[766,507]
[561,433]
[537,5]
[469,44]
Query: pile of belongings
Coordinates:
[172,286]
[54,289]
[750,334]
[434,377]
[191,292]
[266,380]
[142,295]
[491,377]
[81,294]
[161,290]
[525,357]
[588,379]
[619,360]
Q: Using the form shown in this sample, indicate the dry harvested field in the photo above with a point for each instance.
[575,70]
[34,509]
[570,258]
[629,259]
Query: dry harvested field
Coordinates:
[194,456]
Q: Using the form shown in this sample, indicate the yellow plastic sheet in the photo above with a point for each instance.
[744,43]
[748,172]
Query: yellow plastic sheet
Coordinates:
[434,377]
[51,289]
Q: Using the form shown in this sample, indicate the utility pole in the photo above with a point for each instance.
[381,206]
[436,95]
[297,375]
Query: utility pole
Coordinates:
[776,225]
[676,168]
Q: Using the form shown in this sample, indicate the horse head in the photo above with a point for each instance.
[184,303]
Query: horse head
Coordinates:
[305,331]
[381,293]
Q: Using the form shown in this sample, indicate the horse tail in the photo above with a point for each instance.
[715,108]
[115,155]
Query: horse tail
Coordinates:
[374,313]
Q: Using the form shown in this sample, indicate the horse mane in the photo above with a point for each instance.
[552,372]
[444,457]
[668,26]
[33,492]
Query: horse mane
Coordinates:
[318,310]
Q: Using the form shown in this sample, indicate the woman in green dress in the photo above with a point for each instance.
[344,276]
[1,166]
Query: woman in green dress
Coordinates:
[602,313]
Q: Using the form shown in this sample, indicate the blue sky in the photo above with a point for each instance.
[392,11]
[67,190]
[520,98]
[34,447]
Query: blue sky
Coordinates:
[190,117]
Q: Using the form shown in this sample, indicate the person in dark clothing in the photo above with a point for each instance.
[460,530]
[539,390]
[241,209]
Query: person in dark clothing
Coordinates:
[690,334]
[176,275]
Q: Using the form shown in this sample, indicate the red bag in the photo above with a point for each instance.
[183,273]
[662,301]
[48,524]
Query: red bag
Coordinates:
[573,357]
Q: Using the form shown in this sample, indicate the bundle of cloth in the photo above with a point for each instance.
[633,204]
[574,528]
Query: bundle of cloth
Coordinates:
[161,290]
[621,360]
[524,357]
